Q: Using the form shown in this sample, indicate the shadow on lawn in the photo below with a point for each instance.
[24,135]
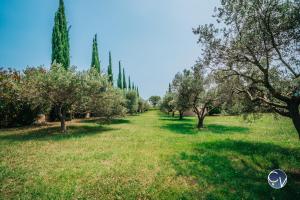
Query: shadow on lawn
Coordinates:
[238,170]
[53,133]
[102,121]
[176,119]
[182,128]
[217,128]
[187,126]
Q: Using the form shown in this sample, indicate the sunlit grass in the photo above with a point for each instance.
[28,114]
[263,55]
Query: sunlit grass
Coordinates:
[151,156]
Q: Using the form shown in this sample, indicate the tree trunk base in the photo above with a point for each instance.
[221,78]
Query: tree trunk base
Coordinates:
[200,124]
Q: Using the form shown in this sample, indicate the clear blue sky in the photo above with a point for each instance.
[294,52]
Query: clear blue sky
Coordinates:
[152,38]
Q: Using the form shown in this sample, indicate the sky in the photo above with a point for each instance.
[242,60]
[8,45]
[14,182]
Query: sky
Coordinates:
[152,38]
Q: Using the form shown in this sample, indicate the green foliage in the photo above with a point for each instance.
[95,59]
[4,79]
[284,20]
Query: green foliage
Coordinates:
[110,104]
[124,80]
[129,83]
[14,110]
[37,90]
[68,90]
[60,38]
[95,56]
[58,87]
[198,90]
[100,97]
[181,84]
[143,105]
[168,103]
[109,70]
[131,101]
[154,100]
[120,81]
[170,88]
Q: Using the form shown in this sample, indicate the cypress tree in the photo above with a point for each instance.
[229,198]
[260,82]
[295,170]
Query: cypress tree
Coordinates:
[95,55]
[60,38]
[170,89]
[133,88]
[120,82]
[109,70]
[129,84]
[124,80]
[137,91]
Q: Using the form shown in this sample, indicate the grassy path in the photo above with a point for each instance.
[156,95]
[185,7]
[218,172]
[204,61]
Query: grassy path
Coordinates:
[151,156]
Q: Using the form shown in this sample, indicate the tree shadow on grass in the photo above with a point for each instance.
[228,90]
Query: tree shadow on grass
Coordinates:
[119,121]
[181,128]
[185,127]
[165,117]
[217,128]
[103,121]
[231,169]
[53,133]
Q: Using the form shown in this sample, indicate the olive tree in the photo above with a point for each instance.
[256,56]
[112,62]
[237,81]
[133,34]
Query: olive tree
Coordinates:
[131,101]
[181,86]
[168,103]
[109,104]
[142,105]
[154,100]
[58,87]
[14,110]
[206,93]
[258,42]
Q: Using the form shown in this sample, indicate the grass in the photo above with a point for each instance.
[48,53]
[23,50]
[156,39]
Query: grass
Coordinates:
[151,156]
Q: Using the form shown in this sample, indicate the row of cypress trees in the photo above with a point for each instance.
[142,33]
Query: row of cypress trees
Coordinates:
[61,50]
[121,81]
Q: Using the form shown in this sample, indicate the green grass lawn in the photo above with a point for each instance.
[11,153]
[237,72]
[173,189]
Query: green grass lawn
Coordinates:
[151,156]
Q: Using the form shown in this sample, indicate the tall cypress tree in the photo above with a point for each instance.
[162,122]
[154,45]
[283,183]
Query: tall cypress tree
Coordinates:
[60,45]
[137,91]
[60,38]
[133,88]
[109,70]
[120,82]
[124,80]
[95,55]
[170,89]
[129,84]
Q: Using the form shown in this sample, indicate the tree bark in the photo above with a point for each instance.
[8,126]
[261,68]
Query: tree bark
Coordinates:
[62,116]
[180,115]
[201,114]
[200,122]
[294,112]
[63,125]
[173,113]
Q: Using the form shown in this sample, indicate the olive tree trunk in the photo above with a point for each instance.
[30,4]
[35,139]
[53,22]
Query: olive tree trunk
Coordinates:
[201,114]
[180,115]
[62,116]
[294,114]
[200,122]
